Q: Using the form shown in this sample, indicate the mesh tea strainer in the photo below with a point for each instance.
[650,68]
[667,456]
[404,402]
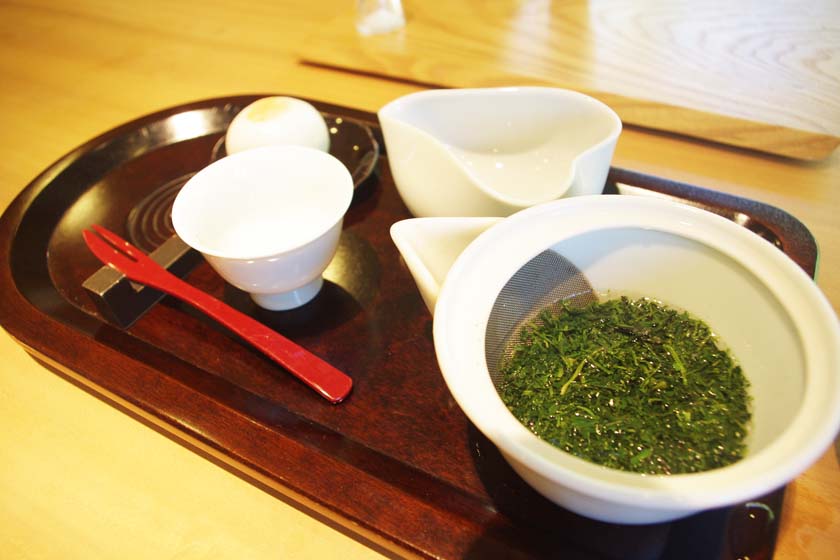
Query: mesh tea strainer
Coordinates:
[768,311]
[544,282]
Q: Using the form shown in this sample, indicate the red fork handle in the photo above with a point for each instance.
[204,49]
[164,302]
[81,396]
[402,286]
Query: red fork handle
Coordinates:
[329,382]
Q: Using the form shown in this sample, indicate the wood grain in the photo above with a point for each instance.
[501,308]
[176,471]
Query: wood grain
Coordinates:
[759,76]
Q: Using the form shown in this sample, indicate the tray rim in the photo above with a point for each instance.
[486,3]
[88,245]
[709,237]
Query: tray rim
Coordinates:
[29,333]
[26,323]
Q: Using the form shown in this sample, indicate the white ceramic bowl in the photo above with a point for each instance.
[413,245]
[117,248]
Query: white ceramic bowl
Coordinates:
[494,151]
[268,220]
[770,314]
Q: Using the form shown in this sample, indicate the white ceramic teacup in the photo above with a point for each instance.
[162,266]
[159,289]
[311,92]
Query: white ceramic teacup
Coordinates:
[268,220]
[495,151]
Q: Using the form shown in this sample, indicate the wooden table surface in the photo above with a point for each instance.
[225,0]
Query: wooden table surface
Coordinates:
[79,479]
[762,76]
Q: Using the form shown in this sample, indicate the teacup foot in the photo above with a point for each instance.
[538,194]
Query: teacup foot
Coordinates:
[291,299]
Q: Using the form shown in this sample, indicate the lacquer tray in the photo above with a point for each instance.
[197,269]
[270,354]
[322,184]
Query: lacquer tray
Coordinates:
[397,465]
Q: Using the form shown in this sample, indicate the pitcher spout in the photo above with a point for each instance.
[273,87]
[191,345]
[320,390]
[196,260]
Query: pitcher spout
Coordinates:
[429,247]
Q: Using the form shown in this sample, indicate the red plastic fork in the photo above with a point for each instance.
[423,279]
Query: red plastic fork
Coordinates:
[118,253]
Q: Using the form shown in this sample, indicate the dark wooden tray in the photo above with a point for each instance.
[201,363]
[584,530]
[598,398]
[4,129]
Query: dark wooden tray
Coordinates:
[397,465]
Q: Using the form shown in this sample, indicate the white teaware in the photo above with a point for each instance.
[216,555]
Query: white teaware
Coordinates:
[765,309]
[494,151]
[267,219]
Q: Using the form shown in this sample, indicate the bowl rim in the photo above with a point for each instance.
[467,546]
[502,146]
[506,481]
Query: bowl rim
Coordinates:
[814,425]
[275,155]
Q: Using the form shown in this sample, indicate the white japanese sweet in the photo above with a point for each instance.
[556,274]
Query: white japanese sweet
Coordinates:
[277,121]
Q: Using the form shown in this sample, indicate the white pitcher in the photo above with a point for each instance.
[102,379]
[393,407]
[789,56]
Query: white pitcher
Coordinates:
[494,151]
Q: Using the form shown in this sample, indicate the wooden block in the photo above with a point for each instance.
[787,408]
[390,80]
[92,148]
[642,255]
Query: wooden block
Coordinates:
[712,71]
